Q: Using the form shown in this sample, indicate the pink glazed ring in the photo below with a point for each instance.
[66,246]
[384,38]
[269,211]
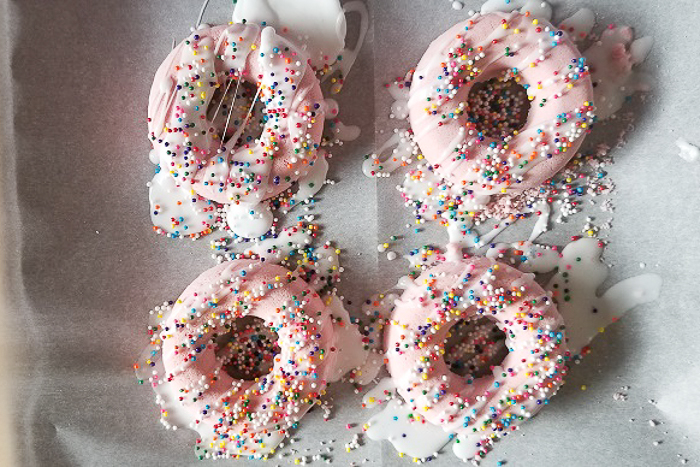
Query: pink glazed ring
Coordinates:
[239,417]
[188,120]
[504,46]
[476,409]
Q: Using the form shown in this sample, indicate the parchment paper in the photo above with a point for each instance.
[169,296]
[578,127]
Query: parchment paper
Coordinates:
[83,267]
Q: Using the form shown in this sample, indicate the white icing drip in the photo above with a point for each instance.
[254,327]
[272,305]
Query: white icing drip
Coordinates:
[331,108]
[198,23]
[400,92]
[583,279]
[345,132]
[177,210]
[153,156]
[276,249]
[611,61]
[349,56]
[579,25]
[310,184]
[537,8]
[350,354]
[399,109]
[249,220]
[403,150]
[580,273]
[462,236]
[462,448]
[337,129]
[541,224]
[317,27]
[418,438]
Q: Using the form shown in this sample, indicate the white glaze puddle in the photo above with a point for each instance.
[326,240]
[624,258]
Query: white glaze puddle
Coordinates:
[336,131]
[351,354]
[249,220]
[688,151]
[543,210]
[397,151]
[177,210]
[376,311]
[579,25]
[310,184]
[349,56]
[343,132]
[400,92]
[580,273]
[417,438]
[462,235]
[537,8]
[612,60]
[317,26]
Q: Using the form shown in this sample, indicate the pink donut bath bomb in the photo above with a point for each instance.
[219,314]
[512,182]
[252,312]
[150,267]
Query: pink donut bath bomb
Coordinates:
[490,406]
[187,139]
[239,416]
[506,46]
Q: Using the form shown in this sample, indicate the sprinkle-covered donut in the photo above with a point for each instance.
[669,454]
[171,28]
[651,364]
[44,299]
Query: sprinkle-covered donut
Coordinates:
[479,409]
[483,154]
[198,136]
[187,360]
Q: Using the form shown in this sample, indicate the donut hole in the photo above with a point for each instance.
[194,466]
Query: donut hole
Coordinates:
[498,107]
[474,346]
[248,348]
[236,100]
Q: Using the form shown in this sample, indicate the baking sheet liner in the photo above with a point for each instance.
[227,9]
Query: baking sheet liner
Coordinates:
[82,267]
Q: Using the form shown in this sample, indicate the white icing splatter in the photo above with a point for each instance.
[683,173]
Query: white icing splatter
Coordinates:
[399,91]
[579,25]
[249,220]
[688,151]
[310,184]
[612,60]
[382,163]
[580,272]
[351,354]
[408,432]
[537,8]
[179,211]
[317,27]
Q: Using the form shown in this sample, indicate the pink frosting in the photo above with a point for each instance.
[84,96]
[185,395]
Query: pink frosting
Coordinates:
[239,417]
[495,45]
[482,408]
[291,92]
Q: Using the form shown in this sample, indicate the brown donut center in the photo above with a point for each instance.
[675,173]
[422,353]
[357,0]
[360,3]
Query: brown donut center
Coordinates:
[234,109]
[497,107]
[474,346]
[248,349]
